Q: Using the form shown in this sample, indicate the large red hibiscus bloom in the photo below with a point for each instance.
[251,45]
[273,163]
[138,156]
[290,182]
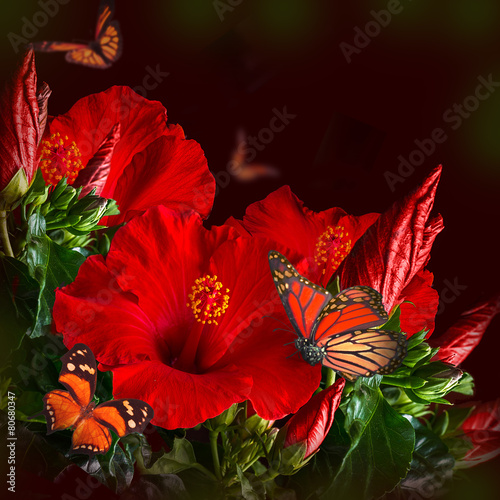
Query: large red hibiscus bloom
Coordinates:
[184,316]
[323,238]
[120,143]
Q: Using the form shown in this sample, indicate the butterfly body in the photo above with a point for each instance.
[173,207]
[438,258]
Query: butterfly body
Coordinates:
[311,353]
[75,409]
[339,331]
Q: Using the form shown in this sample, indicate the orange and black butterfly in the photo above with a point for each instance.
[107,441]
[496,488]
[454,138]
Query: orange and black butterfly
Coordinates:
[99,53]
[92,425]
[338,331]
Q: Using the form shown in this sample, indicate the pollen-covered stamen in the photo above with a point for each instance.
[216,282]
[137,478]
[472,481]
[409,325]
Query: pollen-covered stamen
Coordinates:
[208,300]
[60,158]
[333,245]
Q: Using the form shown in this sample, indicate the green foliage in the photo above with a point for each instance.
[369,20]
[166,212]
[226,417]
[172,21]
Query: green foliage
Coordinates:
[381,445]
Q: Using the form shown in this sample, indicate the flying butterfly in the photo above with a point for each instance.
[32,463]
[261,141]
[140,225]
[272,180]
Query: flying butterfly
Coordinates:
[101,52]
[75,409]
[338,331]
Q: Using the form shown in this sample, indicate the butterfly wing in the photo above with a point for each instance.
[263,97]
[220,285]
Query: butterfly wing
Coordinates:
[57,46]
[79,374]
[355,308]
[60,410]
[303,300]
[87,57]
[104,15]
[364,352]
[110,43]
[124,416]
[90,437]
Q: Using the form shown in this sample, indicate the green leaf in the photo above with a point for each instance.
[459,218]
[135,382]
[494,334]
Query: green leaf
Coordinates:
[393,323]
[334,285]
[431,466]
[381,447]
[247,489]
[121,469]
[180,458]
[18,301]
[51,265]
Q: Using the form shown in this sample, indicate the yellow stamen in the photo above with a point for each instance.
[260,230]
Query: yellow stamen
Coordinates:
[208,299]
[60,158]
[333,245]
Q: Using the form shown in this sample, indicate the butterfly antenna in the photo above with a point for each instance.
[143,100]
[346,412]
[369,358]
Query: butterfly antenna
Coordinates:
[276,319]
[284,330]
[292,354]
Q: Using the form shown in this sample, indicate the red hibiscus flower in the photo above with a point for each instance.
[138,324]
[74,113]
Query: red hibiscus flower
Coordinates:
[482,428]
[312,422]
[119,143]
[390,257]
[19,132]
[464,336]
[324,238]
[181,316]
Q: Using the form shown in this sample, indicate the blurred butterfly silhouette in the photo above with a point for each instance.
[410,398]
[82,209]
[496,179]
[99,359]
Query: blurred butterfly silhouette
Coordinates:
[338,331]
[99,53]
[75,409]
[247,172]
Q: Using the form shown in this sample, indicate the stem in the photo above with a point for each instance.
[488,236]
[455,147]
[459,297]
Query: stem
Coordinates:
[202,469]
[215,454]
[4,234]
[330,378]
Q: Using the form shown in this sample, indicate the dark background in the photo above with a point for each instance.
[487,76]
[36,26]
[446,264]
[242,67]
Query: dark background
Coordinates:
[352,121]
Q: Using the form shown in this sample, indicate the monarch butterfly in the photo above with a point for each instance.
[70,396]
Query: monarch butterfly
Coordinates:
[91,424]
[337,331]
[99,53]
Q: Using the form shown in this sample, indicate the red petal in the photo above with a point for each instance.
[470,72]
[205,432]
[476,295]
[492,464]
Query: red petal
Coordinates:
[95,174]
[158,257]
[313,421]
[95,311]
[396,246]
[283,218]
[171,171]
[463,337]
[483,429]
[19,127]
[91,119]
[424,300]
[180,399]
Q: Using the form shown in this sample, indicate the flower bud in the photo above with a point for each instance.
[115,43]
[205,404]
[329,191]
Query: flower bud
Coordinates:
[440,379]
[222,421]
[303,434]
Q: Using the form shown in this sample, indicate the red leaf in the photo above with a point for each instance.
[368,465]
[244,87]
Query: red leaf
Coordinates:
[19,129]
[313,421]
[95,174]
[397,246]
[463,337]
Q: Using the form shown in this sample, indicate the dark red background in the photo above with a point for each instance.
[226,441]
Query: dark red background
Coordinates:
[353,119]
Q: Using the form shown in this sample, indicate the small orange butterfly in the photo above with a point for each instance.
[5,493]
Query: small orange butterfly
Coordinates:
[99,53]
[75,409]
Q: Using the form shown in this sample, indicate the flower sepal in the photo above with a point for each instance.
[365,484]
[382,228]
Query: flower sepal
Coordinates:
[14,190]
[224,420]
